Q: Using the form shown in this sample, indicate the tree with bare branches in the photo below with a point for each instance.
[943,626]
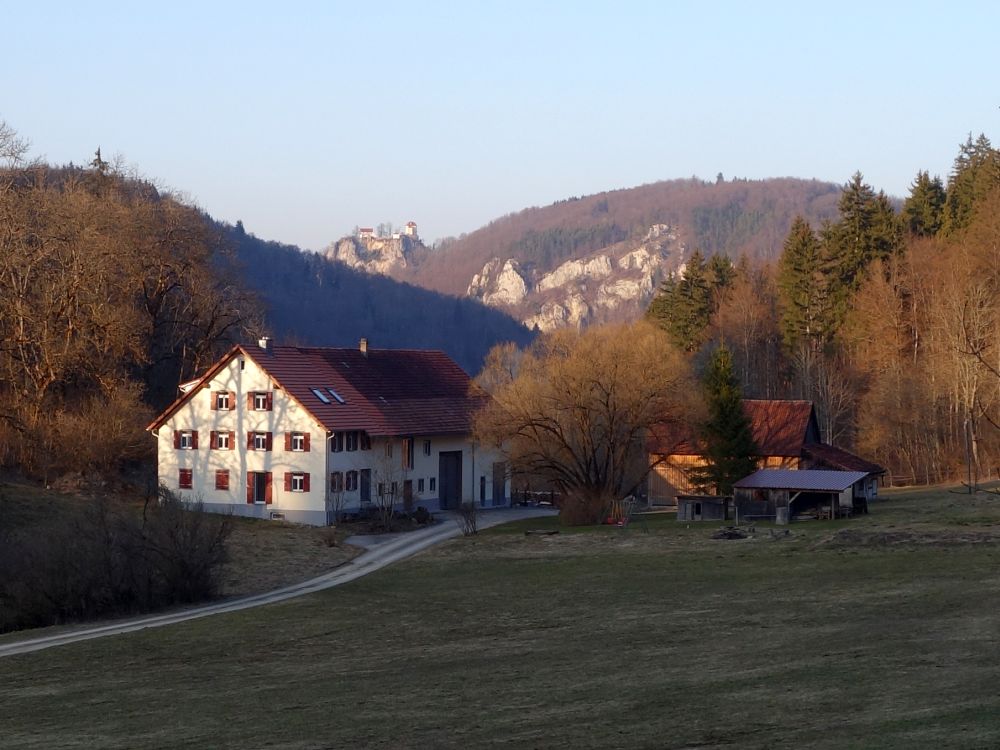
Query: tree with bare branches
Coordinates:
[578,410]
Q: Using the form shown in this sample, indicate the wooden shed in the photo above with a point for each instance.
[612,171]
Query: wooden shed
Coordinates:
[703,507]
[784,495]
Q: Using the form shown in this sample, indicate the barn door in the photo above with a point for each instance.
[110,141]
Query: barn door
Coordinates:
[450,479]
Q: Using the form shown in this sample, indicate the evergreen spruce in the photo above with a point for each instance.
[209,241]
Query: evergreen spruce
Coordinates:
[923,211]
[976,173]
[684,306]
[802,287]
[729,448]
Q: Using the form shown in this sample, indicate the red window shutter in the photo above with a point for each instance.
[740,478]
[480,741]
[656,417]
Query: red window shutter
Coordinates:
[249,441]
[250,401]
[288,481]
[267,488]
[177,438]
[333,481]
[270,400]
[305,442]
[305,482]
[250,487]
[213,440]
[194,439]
[232,440]
[213,402]
[269,444]
[232,400]
[288,441]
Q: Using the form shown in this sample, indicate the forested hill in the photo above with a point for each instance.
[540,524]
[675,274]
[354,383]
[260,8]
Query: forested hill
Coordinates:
[733,217]
[311,300]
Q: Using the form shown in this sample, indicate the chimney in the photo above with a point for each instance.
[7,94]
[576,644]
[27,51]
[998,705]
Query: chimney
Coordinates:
[364,347]
[264,342]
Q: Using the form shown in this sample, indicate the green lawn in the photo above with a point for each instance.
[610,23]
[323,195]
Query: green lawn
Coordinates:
[877,632]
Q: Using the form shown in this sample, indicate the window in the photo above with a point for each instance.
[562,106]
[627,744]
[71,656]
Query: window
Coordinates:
[352,440]
[388,449]
[420,485]
[427,447]
[366,441]
[185,479]
[259,441]
[320,395]
[222,401]
[298,441]
[260,401]
[337,397]
[433,484]
[222,479]
[365,479]
[296,481]
[222,441]
[482,489]
[352,481]
[337,442]
[259,487]
[337,481]
[186,439]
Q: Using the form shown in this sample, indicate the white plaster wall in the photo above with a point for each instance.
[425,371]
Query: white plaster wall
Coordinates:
[286,415]
[475,463]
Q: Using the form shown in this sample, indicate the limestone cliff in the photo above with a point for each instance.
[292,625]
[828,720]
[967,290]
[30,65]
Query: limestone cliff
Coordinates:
[382,255]
[615,283]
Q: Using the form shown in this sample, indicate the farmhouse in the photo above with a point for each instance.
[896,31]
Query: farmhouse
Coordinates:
[296,432]
[787,436]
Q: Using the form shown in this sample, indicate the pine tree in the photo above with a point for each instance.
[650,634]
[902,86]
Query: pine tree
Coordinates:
[801,283]
[683,306]
[729,448]
[868,230]
[976,173]
[923,211]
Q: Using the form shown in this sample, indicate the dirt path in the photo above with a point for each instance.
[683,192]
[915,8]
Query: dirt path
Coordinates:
[374,558]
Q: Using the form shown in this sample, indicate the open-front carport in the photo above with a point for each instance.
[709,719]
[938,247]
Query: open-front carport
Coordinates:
[782,494]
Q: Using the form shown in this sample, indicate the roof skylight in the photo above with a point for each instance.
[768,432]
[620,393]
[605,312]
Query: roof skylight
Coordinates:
[339,399]
[320,395]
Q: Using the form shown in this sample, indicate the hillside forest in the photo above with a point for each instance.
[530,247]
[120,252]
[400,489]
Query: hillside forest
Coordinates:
[113,292]
[887,319]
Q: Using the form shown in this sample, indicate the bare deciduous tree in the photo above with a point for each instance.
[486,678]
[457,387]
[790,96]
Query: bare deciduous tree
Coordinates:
[578,411]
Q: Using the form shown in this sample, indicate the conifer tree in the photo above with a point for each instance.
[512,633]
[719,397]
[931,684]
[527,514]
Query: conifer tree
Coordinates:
[923,211]
[868,230]
[802,286]
[729,448]
[975,174]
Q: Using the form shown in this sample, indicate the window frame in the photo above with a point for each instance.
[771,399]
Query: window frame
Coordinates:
[222,401]
[259,441]
[222,440]
[351,481]
[432,484]
[427,447]
[186,440]
[298,478]
[298,442]
[351,441]
[260,400]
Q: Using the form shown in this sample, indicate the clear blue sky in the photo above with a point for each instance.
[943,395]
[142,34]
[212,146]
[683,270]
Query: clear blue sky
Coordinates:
[306,119]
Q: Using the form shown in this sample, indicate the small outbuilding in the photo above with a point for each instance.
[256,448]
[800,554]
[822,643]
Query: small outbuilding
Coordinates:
[785,495]
[703,507]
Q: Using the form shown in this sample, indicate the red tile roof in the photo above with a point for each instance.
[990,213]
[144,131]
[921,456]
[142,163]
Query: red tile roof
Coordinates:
[780,428]
[837,458]
[385,392]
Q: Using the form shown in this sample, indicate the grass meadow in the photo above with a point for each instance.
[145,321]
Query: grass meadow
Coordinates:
[875,632]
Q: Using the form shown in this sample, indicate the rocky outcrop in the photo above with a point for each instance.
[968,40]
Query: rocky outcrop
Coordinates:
[614,283]
[506,288]
[373,254]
